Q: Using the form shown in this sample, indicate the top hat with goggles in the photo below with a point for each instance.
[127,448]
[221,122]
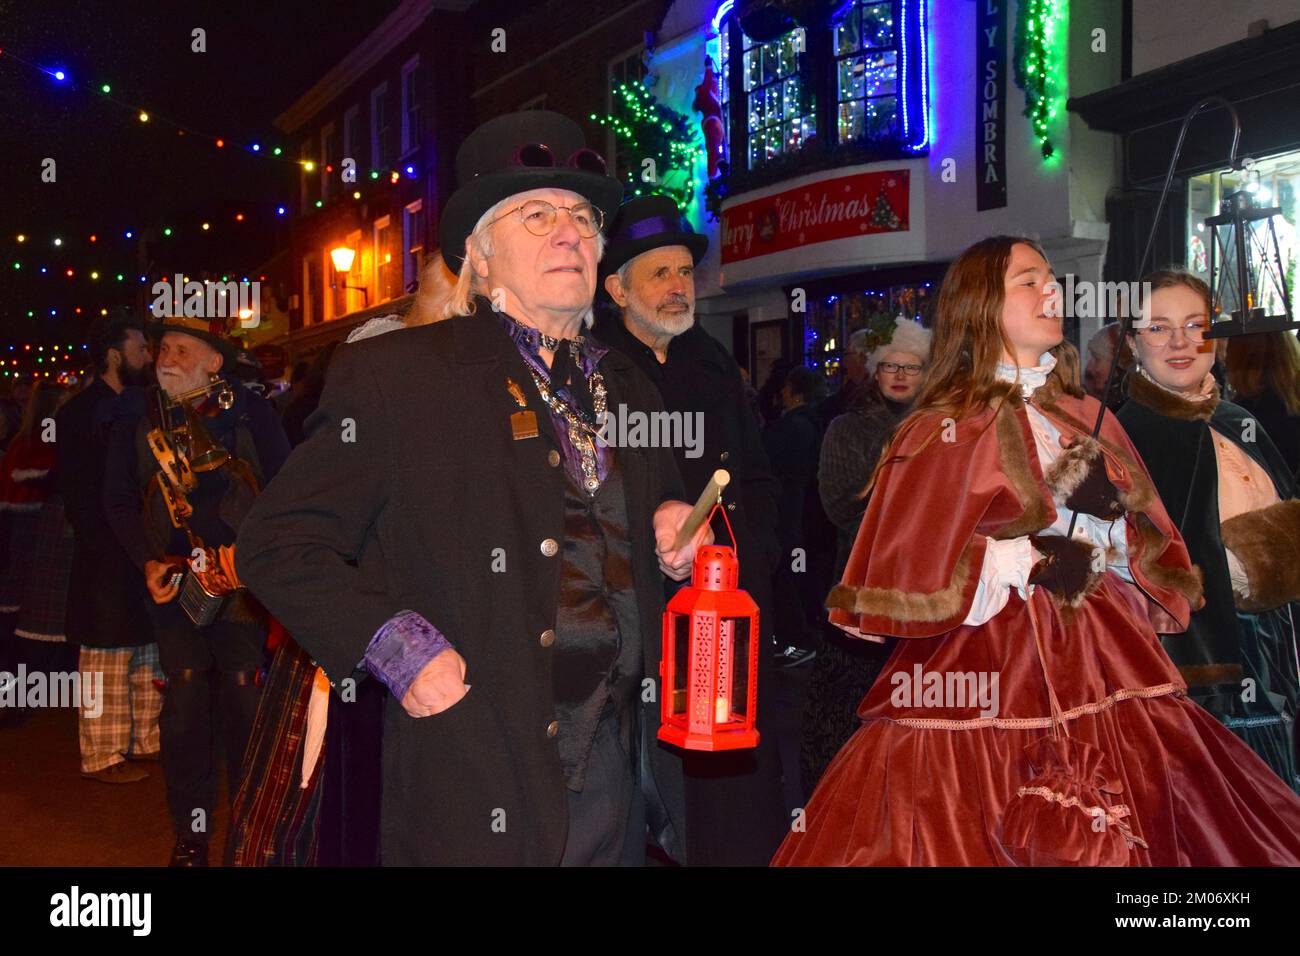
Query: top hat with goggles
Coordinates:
[531,149]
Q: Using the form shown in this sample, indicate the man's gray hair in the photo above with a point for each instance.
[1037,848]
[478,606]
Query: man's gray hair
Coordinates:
[479,242]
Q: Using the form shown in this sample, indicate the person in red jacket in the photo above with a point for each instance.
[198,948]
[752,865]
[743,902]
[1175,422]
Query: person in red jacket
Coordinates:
[1029,714]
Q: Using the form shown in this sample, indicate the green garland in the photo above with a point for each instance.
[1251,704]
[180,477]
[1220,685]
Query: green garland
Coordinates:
[647,129]
[1038,68]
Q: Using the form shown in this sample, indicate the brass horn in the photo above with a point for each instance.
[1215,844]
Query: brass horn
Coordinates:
[204,453]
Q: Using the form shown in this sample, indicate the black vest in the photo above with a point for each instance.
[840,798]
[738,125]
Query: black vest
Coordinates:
[597,667]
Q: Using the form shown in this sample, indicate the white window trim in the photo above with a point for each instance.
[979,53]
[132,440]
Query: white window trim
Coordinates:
[351,119]
[375,151]
[383,222]
[408,143]
[409,210]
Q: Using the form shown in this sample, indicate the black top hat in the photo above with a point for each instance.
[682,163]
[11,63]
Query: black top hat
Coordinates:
[531,149]
[645,223]
[211,331]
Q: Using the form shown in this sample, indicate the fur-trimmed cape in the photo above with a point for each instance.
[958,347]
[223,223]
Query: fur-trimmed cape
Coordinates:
[915,565]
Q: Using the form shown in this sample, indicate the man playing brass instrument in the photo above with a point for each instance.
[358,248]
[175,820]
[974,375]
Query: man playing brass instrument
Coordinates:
[184,466]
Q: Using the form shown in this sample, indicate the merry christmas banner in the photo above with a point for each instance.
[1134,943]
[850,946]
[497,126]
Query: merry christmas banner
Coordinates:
[837,208]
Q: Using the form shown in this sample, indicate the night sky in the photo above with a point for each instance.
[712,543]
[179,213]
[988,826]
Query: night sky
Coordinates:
[116,173]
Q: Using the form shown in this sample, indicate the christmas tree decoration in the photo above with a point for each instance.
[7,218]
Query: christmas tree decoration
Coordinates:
[1040,64]
[882,213]
[648,130]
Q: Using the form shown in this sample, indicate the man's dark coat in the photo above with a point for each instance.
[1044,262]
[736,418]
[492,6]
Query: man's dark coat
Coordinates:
[106,593]
[411,493]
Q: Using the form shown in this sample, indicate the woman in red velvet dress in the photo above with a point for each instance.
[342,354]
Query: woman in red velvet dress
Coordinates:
[1030,715]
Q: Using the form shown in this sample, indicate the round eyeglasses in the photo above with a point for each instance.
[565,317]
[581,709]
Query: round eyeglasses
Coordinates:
[538,217]
[889,368]
[1158,334]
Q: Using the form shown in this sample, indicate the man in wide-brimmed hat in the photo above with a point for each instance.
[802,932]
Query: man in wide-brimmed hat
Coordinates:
[452,527]
[194,359]
[735,814]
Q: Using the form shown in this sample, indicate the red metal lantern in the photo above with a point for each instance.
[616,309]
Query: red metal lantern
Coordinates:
[709,668]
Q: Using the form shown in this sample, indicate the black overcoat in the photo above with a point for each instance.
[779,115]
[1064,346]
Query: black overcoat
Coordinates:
[107,598]
[410,492]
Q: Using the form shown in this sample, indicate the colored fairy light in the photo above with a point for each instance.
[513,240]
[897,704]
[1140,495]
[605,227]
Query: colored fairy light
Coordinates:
[58,242]
[356,194]
[105,88]
[374,174]
[309,166]
[120,277]
[256,147]
[279,210]
[144,117]
[167,231]
[129,234]
[221,143]
[206,227]
[275,152]
[239,217]
[18,265]
[410,170]
[319,204]
[94,275]
[70,273]
[60,75]
[393,177]
[94,238]
[21,237]
[1039,64]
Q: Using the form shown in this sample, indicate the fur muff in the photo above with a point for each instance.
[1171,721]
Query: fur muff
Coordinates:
[1071,468]
[1267,541]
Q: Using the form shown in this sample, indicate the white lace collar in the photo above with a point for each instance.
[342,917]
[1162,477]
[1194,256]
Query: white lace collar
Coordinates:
[1032,378]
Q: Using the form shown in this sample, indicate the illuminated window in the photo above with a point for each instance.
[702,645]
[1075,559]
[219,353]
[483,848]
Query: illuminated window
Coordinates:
[866,73]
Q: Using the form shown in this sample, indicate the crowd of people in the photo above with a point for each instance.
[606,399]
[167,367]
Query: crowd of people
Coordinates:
[434,585]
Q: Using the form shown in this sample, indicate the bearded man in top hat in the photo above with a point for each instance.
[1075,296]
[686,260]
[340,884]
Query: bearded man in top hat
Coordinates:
[452,527]
[213,667]
[735,814]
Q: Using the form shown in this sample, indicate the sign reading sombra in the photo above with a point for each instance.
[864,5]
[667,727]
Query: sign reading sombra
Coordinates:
[991,104]
[208,300]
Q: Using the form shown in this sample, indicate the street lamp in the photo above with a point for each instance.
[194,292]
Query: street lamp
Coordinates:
[343,257]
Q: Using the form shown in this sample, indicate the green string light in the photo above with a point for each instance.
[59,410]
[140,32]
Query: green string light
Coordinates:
[1039,64]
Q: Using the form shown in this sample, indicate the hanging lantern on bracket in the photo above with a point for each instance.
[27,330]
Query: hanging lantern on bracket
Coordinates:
[1247,275]
[709,668]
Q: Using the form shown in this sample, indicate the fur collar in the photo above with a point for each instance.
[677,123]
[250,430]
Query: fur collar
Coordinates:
[1170,404]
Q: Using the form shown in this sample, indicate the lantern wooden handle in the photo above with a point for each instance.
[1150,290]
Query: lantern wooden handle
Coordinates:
[708,498]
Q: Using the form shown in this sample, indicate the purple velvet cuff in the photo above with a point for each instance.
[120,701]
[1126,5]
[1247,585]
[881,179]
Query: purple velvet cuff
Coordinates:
[400,649]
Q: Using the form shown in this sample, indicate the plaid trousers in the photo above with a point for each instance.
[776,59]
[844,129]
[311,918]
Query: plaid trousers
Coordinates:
[128,722]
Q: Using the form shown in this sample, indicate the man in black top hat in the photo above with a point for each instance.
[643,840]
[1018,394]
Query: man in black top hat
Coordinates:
[195,360]
[735,814]
[452,527]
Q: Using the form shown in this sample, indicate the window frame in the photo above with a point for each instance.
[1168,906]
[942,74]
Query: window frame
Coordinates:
[378,160]
[410,137]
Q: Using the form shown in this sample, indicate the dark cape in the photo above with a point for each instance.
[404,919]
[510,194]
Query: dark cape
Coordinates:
[1224,645]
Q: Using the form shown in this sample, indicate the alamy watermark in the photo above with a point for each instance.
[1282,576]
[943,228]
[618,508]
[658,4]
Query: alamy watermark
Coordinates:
[55,689]
[208,300]
[1085,299]
[624,428]
[948,690]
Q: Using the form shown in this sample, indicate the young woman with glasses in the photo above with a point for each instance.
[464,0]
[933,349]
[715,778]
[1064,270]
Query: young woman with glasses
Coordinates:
[1231,495]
